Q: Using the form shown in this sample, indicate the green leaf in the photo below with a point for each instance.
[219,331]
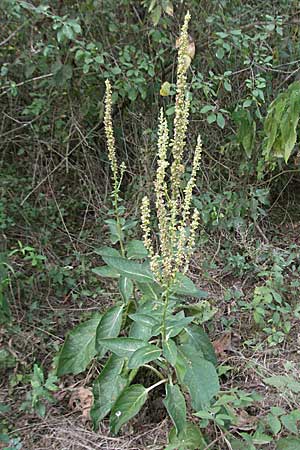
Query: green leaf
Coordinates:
[189,439]
[123,346]
[283,382]
[197,337]
[126,288]
[205,109]
[144,319]
[246,130]
[135,249]
[274,423]
[220,120]
[140,331]
[211,118]
[175,405]
[165,89]
[170,351]
[176,325]
[288,443]
[61,73]
[129,268]
[202,381]
[109,327]
[143,355]
[290,423]
[107,251]
[156,15]
[107,388]
[127,406]
[106,271]
[220,53]
[79,348]
[184,286]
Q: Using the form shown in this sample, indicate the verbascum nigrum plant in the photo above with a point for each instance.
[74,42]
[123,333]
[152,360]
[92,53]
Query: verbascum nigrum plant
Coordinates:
[152,325]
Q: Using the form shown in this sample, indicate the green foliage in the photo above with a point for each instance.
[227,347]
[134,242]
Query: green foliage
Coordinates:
[41,391]
[281,123]
[79,348]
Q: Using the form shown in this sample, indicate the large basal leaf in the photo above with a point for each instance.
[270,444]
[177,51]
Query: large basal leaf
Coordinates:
[170,351]
[175,405]
[136,250]
[140,331]
[107,251]
[127,406]
[184,286]
[176,325]
[145,319]
[122,346]
[107,388]
[189,439]
[106,271]
[197,337]
[130,269]
[109,326]
[126,288]
[151,291]
[143,355]
[202,381]
[79,348]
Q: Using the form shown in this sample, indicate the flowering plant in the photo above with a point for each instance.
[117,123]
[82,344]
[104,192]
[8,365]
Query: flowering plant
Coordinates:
[152,326]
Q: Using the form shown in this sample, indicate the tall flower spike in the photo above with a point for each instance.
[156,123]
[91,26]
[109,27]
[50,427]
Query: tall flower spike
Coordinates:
[192,239]
[109,133]
[188,193]
[160,186]
[145,225]
[182,105]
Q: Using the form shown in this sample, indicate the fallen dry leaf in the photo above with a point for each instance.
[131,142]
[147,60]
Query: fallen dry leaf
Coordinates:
[82,400]
[245,421]
[222,344]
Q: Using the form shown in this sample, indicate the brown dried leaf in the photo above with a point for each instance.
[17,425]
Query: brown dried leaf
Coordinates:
[82,400]
[245,421]
[222,344]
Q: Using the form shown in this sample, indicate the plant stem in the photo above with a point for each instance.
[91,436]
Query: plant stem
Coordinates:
[157,384]
[166,304]
[155,371]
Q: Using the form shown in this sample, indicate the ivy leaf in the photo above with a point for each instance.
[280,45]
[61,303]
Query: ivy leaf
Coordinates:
[107,388]
[143,355]
[127,406]
[176,407]
[109,326]
[79,348]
